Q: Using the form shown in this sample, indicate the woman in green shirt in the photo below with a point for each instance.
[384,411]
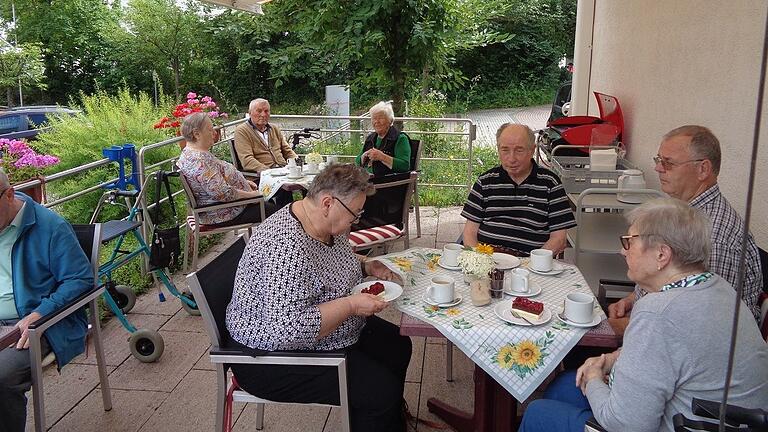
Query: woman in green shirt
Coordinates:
[387,150]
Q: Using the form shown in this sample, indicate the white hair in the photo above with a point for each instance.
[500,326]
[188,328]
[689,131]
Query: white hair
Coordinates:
[255,102]
[383,107]
[670,221]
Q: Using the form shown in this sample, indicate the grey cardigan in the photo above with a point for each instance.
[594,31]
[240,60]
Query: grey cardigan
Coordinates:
[675,349]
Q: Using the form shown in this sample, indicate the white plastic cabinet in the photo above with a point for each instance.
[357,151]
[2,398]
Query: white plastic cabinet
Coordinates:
[595,239]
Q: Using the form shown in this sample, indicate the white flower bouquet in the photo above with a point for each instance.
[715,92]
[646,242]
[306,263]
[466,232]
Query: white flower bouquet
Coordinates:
[313,158]
[477,261]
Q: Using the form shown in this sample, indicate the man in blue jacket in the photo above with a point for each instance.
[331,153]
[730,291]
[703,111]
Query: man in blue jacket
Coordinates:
[42,268]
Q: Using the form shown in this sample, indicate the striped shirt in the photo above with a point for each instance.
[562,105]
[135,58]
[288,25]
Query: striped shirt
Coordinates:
[519,217]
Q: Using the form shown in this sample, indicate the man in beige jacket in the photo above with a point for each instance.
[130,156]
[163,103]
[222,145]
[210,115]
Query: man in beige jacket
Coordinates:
[260,145]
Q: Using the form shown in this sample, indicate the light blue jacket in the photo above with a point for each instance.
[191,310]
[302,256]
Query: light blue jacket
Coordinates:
[50,269]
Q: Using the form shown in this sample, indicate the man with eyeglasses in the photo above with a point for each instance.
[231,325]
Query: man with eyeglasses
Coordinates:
[688,163]
[517,205]
[42,268]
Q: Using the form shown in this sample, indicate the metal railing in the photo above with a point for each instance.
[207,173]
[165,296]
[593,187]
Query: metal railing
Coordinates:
[467,130]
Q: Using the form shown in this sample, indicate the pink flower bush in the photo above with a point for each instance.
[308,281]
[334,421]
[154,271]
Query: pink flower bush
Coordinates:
[21,162]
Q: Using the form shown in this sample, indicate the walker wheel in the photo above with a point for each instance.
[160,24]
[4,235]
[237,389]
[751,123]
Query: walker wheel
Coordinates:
[124,297]
[194,311]
[146,345]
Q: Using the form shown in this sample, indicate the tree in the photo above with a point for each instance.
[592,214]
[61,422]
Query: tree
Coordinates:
[166,31]
[73,36]
[21,66]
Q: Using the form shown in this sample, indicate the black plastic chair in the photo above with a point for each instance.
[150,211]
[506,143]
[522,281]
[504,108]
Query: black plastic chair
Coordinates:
[89,237]
[212,287]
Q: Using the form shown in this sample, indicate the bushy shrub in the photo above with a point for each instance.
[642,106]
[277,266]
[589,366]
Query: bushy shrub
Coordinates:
[104,121]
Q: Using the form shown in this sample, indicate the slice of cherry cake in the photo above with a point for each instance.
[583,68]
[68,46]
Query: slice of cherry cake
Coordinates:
[528,308]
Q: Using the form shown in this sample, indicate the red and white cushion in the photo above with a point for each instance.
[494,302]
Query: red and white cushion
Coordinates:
[366,238]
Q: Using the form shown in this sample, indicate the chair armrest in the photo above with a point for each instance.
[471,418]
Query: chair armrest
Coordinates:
[48,320]
[736,415]
[235,203]
[308,358]
[593,426]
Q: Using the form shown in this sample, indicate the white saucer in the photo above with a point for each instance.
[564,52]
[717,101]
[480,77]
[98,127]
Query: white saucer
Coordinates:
[391,289]
[295,178]
[446,266]
[505,261]
[596,319]
[278,173]
[431,302]
[557,268]
[307,172]
[503,310]
[533,290]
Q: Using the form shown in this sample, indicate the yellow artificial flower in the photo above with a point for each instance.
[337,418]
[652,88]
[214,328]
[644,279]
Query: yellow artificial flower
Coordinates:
[403,263]
[484,249]
[452,312]
[432,263]
[505,356]
[527,353]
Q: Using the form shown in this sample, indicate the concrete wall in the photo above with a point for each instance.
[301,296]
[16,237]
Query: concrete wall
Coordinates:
[687,62]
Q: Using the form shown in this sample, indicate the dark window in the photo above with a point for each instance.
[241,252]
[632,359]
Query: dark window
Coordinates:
[10,123]
[35,120]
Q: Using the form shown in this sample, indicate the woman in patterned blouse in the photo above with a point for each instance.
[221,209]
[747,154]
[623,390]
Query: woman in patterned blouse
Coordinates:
[213,180]
[292,292]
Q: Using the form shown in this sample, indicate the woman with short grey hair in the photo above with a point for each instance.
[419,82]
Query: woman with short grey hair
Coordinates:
[213,180]
[293,292]
[386,150]
[677,343]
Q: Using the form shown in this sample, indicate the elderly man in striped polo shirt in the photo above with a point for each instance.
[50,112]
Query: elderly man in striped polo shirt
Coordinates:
[517,205]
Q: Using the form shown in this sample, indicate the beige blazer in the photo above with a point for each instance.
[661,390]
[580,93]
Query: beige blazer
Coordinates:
[253,152]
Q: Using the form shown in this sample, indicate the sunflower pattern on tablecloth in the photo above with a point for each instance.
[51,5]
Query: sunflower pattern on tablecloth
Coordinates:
[266,190]
[525,356]
[404,264]
[434,311]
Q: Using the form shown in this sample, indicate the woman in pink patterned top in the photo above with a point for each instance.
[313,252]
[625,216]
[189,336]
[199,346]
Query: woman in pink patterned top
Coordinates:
[213,180]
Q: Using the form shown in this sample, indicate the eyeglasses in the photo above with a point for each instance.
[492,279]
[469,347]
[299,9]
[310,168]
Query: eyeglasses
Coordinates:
[668,164]
[356,216]
[625,239]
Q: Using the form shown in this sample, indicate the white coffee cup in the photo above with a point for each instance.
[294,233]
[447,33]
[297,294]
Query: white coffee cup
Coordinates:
[541,259]
[441,289]
[451,253]
[520,280]
[578,307]
[294,171]
[291,162]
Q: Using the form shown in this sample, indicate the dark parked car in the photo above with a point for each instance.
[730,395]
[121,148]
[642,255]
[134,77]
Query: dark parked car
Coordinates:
[27,121]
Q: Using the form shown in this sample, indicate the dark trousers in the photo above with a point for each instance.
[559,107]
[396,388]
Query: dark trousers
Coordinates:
[376,367]
[250,214]
[15,381]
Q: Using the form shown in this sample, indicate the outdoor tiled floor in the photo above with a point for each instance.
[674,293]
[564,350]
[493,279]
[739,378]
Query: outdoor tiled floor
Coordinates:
[177,392]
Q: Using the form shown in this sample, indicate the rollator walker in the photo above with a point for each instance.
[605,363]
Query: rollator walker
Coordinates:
[145,344]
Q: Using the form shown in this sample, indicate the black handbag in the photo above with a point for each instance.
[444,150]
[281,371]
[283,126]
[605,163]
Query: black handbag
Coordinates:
[166,244]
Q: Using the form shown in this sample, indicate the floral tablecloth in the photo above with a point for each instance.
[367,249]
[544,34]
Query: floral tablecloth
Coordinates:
[269,183]
[519,358]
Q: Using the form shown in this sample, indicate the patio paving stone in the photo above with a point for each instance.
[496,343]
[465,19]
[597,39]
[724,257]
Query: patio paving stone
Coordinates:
[182,350]
[149,303]
[184,322]
[204,363]
[459,393]
[130,410]
[284,418]
[63,391]
[190,406]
